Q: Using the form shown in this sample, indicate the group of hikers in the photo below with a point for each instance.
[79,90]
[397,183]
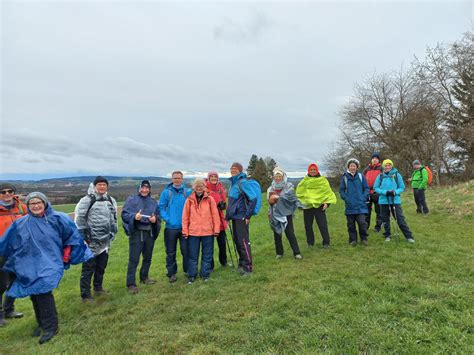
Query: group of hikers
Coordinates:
[38,243]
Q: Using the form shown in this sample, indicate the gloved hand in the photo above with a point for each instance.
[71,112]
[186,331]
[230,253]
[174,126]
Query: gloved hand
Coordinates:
[391,193]
[67,254]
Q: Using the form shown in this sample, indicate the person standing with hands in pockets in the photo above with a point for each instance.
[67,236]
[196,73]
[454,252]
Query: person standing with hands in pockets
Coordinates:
[141,222]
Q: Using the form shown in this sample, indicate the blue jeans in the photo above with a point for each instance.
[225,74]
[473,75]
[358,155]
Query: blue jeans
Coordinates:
[171,242]
[194,244]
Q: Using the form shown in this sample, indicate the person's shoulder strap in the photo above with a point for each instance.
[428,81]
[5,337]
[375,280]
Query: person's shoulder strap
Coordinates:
[93,200]
[345,182]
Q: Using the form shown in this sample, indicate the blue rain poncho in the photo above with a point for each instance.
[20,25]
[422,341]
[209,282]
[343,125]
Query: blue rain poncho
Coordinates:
[33,249]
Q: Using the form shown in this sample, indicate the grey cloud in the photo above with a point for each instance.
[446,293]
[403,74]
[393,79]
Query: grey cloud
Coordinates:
[253,28]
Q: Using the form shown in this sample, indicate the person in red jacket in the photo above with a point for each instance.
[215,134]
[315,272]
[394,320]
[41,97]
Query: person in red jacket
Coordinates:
[200,223]
[217,192]
[10,210]
[371,172]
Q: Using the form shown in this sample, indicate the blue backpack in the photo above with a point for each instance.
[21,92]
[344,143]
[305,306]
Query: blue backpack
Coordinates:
[255,187]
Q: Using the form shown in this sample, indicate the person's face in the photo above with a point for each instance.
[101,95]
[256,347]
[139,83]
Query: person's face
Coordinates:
[313,171]
[213,179]
[375,161]
[352,168]
[144,191]
[234,171]
[36,206]
[387,167]
[278,178]
[177,179]
[416,166]
[199,188]
[7,195]
[101,188]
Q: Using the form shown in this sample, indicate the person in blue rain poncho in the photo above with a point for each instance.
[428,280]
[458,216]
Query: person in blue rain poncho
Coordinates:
[36,250]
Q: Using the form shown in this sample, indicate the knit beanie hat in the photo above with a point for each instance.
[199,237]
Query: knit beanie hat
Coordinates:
[416,162]
[278,171]
[100,179]
[353,160]
[375,155]
[387,161]
[7,186]
[238,166]
[38,195]
[145,183]
[313,165]
[210,173]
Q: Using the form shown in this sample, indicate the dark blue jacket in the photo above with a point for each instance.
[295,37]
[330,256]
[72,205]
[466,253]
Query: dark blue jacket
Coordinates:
[241,199]
[355,193]
[148,206]
[171,205]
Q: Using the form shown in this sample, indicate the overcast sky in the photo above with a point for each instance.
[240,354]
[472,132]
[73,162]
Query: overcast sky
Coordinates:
[144,88]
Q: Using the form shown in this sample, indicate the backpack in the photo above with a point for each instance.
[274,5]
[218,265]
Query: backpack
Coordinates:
[255,187]
[394,177]
[360,178]
[430,174]
[94,200]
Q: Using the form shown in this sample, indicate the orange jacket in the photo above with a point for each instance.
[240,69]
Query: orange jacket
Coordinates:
[200,219]
[8,216]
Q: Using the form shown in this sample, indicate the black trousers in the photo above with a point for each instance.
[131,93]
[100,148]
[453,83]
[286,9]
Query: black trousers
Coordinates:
[140,243]
[94,267]
[7,305]
[45,311]
[352,219]
[420,200]
[221,244]
[402,224]
[320,215]
[373,203]
[171,243]
[242,242]
[290,235]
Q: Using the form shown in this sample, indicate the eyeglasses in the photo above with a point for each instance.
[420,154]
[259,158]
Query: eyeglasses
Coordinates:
[4,192]
[35,203]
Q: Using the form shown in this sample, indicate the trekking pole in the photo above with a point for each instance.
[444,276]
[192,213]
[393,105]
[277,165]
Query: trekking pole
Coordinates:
[233,240]
[396,229]
[230,251]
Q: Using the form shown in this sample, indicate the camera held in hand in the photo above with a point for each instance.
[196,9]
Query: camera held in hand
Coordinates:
[221,205]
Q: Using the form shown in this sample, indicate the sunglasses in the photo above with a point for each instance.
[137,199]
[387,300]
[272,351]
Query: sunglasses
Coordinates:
[4,192]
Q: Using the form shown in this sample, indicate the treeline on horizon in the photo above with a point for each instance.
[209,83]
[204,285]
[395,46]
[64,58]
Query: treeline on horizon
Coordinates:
[424,111]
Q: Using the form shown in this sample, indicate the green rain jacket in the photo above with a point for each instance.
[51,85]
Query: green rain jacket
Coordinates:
[315,191]
[419,179]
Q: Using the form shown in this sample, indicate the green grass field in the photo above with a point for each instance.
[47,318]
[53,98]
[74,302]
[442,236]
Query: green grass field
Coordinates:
[384,298]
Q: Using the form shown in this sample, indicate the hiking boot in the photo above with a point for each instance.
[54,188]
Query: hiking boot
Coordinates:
[278,257]
[36,332]
[101,292]
[325,246]
[47,336]
[13,314]
[3,322]
[411,240]
[173,278]
[310,246]
[353,243]
[298,256]
[148,281]
[387,239]
[87,300]
[205,279]
[365,242]
[377,229]
[245,274]
[191,280]
[132,289]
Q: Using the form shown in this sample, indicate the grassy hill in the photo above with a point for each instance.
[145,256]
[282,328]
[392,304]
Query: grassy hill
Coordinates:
[387,297]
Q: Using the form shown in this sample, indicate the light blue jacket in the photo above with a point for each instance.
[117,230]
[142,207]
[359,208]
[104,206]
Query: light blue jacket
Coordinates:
[386,182]
[171,205]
